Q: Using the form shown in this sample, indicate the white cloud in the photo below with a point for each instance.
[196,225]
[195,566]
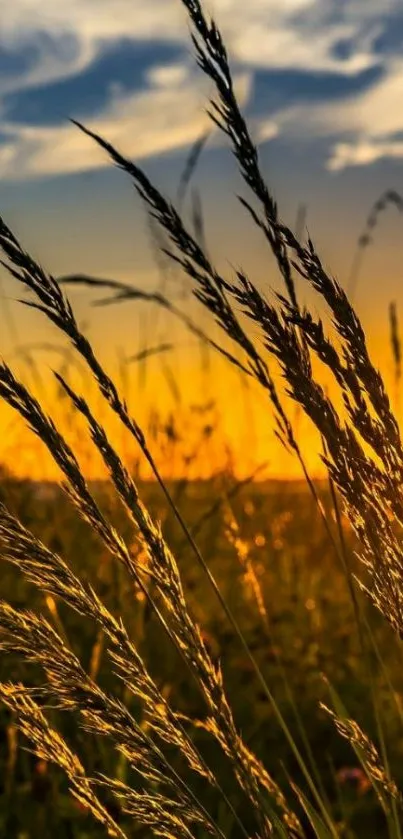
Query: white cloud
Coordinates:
[167,76]
[267,33]
[141,125]
[374,118]
[362,153]
[265,129]
[294,34]
[282,42]
[369,125]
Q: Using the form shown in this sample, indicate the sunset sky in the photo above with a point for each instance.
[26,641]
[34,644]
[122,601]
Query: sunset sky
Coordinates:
[321,84]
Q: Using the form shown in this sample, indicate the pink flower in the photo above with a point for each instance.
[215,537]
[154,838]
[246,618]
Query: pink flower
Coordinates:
[354,775]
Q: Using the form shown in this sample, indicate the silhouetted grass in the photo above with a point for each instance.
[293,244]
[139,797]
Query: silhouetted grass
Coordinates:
[182,773]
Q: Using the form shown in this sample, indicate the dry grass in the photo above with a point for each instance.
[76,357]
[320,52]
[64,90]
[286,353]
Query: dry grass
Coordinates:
[364,457]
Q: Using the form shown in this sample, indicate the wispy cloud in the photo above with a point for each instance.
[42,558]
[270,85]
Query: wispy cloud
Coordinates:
[141,125]
[44,44]
[361,129]
[375,120]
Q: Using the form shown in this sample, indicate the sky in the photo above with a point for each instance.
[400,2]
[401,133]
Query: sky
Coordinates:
[320,83]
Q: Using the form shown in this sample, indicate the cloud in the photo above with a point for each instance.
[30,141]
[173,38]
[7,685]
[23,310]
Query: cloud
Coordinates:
[167,76]
[122,65]
[265,129]
[376,121]
[360,130]
[144,124]
[376,111]
[363,153]
[274,33]
[44,43]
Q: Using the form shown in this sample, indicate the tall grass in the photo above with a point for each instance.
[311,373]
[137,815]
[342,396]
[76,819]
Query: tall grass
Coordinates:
[363,453]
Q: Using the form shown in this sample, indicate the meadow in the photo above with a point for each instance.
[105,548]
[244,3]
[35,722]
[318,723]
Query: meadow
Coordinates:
[218,657]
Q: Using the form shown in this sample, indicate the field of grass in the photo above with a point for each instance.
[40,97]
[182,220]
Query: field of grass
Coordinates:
[308,629]
[208,658]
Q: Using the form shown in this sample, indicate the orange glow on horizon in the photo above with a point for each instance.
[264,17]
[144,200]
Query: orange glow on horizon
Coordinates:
[187,436]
